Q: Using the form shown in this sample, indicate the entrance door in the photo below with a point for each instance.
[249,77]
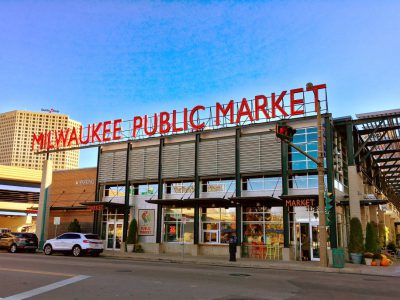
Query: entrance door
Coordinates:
[308,241]
[314,241]
[114,234]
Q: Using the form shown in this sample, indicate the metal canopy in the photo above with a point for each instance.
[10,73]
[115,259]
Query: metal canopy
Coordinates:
[204,202]
[377,150]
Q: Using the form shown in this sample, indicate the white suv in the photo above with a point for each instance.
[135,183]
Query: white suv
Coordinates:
[75,242]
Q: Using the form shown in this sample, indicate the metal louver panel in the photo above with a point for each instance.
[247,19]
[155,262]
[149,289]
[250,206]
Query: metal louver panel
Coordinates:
[226,156]
[178,160]
[207,158]
[170,161]
[151,162]
[250,154]
[105,166]
[119,166]
[259,153]
[270,153]
[112,166]
[143,163]
[186,160]
[136,163]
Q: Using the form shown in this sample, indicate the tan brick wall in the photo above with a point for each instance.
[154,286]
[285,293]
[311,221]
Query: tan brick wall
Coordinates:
[69,189]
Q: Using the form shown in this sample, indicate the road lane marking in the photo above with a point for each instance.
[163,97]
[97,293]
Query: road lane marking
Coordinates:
[38,272]
[46,288]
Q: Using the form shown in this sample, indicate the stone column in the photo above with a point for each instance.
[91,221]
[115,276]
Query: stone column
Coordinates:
[42,219]
[373,213]
[381,227]
[354,192]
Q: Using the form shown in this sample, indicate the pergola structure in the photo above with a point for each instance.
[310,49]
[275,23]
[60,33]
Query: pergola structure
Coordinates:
[377,151]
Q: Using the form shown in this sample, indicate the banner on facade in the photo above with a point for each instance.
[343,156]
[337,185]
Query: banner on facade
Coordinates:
[146,222]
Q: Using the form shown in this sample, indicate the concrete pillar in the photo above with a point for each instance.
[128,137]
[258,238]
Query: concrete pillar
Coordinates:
[355,195]
[387,225]
[364,218]
[392,231]
[44,207]
[373,213]
[381,227]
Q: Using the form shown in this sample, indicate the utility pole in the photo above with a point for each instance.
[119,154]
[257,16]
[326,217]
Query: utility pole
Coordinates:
[323,254]
[285,133]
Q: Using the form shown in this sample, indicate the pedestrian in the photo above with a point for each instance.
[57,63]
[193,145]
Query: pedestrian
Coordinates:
[232,247]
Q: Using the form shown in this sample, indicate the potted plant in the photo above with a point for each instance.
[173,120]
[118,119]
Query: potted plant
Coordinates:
[356,245]
[376,259]
[131,239]
[371,243]
[368,257]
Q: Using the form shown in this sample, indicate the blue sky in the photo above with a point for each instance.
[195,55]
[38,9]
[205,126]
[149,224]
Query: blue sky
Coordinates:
[103,60]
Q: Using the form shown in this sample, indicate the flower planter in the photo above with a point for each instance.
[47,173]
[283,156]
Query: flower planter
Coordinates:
[368,261]
[356,258]
[129,248]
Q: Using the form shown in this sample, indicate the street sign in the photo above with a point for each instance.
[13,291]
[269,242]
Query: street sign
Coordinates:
[57,220]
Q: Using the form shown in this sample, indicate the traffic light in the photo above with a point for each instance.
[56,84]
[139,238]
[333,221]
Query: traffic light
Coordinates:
[329,201]
[285,132]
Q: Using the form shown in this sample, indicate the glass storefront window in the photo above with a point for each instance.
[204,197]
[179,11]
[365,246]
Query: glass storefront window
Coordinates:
[219,186]
[218,224]
[305,181]
[174,230]
[147,189]
[307,140]
[263,184]
[263,225]
[180,188]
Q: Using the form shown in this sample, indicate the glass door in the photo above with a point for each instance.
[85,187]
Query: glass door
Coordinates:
[314,241]
[114,234]
[110,235]
[118,235]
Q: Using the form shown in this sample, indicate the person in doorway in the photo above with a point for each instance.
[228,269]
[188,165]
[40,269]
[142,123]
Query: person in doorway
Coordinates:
[305,247]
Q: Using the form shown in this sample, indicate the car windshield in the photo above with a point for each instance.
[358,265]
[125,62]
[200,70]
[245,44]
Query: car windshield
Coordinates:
[92,236]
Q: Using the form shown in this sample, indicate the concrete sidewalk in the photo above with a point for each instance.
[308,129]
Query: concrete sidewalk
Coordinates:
[393,271]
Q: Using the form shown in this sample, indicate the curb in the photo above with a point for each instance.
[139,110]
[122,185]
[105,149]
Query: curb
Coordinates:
[241,264]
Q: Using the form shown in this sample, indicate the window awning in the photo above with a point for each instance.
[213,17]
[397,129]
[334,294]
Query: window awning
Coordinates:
[365,202]
[104,204]
[204,202]
[257,201]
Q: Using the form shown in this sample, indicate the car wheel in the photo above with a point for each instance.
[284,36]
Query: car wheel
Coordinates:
[76,251]
[13,248]
[47,250]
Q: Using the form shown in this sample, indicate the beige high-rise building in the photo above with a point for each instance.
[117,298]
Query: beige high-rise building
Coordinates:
[17,128]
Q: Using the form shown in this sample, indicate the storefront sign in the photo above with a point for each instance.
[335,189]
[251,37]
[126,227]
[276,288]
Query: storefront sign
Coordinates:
[286,104]
[95,207]
[146,222]
[300,202]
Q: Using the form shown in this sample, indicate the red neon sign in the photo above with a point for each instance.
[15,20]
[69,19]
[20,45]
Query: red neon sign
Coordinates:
[263,108]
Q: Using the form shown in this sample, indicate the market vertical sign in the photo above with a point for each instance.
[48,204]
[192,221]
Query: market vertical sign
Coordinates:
[146,222]
[298,102]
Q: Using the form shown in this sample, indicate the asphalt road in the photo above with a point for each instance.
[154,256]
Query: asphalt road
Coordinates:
[36,276]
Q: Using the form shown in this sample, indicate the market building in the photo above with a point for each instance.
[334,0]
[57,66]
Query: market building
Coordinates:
[209,182]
